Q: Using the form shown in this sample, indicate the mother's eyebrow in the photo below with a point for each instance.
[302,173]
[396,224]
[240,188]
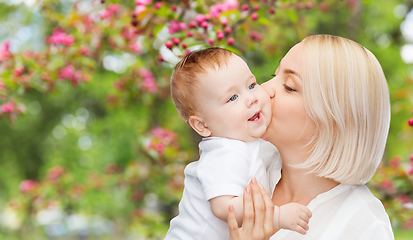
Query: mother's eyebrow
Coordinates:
[290,71]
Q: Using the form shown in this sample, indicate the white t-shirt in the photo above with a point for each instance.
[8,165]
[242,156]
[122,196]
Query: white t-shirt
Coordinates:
[346,212]
[225,167]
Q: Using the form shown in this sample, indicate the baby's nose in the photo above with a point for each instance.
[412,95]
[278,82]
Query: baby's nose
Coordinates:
[252,99]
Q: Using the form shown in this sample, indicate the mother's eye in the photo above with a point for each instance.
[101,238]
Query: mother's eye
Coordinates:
[288,88]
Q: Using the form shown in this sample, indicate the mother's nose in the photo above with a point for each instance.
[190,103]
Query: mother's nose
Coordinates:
[269,88]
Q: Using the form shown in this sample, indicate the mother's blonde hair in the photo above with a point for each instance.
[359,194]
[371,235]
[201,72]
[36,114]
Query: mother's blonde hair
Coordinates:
[346,95]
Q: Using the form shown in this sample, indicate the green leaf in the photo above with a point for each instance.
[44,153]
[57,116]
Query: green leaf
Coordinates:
[234,50]
[87,62]
[292,15]
[56,63]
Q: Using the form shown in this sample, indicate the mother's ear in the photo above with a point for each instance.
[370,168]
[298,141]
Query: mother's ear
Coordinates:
[198,124]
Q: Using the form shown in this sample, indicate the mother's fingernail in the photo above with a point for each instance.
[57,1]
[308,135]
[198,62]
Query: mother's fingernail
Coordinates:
[253,181]
[247,190]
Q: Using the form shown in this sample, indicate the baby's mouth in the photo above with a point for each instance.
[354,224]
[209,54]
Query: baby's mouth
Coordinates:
[256,117]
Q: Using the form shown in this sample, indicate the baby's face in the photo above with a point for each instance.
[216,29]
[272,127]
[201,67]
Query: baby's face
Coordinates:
[232,104]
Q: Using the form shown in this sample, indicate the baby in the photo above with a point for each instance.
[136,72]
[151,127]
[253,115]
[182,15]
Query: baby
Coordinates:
[217,95]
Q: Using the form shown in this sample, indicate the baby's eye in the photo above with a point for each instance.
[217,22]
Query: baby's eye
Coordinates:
[252,86]
[233,98]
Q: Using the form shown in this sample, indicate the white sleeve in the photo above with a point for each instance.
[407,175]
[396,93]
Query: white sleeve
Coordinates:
[224,171]
[378,231]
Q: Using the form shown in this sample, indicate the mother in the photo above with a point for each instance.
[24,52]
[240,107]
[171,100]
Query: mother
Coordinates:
[330,122]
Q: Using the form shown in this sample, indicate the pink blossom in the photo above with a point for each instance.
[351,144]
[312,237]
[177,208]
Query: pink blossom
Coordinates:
[386,183]
[403,198]
[113,7]
[182,26]
[67,72]
[410,171]
[18,71]
[199,18]
[408,225]
[59,37]
[162,133]
[204,24]
[135,47]
[220,34]
[110,11]
[27,54]
[4,50]
[176,41]
[77,78]
[139,9]
[394,162]
[143,2]
[1,85]
[84,50]
[254,16]
[158,5]
[192,24]
[150,84]
[256,36]
[169,44]
[128,33]
[27,185]
[7,107]
[145,73]
[219,7]
[230,4]
[160,147]
[173,27]
[216,9]
[105,14]
[55,172]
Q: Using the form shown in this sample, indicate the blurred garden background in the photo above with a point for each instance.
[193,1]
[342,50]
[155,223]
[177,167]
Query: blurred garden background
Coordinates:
[91,146]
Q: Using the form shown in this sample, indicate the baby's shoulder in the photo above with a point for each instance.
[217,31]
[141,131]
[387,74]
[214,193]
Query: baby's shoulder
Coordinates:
[220,144]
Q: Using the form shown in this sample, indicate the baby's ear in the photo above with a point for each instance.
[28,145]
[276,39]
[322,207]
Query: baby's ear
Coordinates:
[198,124]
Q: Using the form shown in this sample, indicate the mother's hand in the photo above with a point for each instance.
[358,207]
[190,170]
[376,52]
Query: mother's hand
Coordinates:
[258,215]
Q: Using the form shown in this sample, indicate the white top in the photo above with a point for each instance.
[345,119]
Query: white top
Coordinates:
[348,212]
[225,168]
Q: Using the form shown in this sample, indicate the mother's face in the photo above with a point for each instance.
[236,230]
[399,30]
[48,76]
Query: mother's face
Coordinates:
[289,124]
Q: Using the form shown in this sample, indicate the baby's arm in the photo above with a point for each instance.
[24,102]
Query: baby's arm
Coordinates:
[292,216]
[219,207]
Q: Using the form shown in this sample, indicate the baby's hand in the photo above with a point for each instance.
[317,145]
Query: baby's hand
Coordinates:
[295,217]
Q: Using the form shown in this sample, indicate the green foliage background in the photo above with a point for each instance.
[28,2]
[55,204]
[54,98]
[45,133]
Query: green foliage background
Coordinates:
[134,188]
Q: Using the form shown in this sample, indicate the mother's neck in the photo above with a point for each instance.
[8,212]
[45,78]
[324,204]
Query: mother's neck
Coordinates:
[296,184]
